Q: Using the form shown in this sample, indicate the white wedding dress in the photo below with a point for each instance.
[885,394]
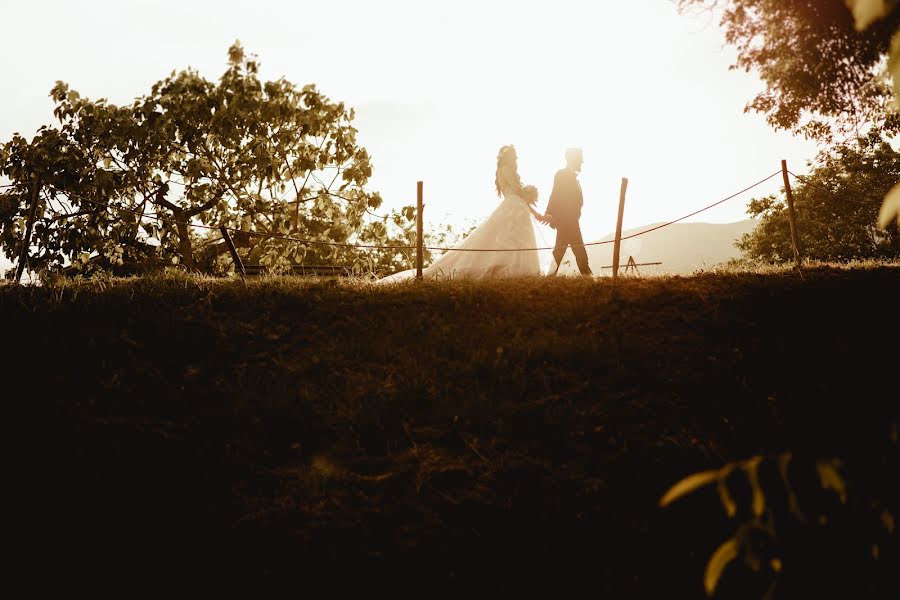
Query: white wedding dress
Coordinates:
[508,227]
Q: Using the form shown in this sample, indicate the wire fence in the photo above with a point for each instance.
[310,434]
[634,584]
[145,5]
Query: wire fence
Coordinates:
[261,234]
[186,220]
[832,193]
[160,217]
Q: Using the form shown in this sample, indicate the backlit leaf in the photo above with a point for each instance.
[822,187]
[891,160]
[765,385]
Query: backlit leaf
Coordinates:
[759,498]
[728,502]
[793,504]
[723,555]
[894,67]
[887,519]
[866,12]
[688,485]
[890,207]
[831,479]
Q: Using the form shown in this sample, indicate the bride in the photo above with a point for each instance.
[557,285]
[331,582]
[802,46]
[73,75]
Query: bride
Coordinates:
[508,229]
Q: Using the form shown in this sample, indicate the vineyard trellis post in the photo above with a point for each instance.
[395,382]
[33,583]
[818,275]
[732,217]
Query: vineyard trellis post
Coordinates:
[795,238]
[419,228]
[26,240]
[616,247]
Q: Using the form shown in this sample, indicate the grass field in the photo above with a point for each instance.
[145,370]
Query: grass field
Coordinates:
[431,439]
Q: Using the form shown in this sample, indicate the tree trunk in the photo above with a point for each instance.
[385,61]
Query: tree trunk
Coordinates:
[208,255]
[185,249]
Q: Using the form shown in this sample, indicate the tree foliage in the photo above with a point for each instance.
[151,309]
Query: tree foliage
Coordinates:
[793,518]
[150,183]
[836,206]
[824,77]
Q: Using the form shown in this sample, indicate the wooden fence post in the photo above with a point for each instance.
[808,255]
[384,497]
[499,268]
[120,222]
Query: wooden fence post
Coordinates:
[795,238]
[631,265]
[26,241]
[419,228]
[238,263]
[618,243]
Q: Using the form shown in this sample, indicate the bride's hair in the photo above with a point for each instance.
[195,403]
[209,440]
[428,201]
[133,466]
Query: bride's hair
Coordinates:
[506,156]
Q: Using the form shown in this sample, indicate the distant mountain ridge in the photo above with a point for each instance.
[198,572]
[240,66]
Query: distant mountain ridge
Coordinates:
[682,248]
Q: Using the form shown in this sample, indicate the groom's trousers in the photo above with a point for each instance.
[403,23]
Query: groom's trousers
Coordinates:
[569,234]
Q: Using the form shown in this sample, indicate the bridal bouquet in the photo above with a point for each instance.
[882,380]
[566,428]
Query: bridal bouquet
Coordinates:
[530,194]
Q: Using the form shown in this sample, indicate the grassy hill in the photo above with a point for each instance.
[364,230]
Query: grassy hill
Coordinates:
[682,248]
[428,439]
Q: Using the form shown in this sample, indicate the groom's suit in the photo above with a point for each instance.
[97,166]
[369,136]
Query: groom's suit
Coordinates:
[565,205]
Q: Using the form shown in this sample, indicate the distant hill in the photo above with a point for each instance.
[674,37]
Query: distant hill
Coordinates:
[682,248]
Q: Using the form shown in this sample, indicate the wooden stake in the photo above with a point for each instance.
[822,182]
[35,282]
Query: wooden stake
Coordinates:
[238,263]
[26,241]
[618,243]
[795,238]
[631,265]
[419,228]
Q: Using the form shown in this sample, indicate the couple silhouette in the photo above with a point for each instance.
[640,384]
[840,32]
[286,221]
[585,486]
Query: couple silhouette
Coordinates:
[503,245]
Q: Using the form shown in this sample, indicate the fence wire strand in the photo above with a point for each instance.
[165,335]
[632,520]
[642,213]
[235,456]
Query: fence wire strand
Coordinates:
[289,238]
[831,193]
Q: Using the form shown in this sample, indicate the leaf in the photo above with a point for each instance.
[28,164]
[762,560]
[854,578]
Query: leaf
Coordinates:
[887,519]
[723,555]
[688,485]
[728,502]
[831,479]
[894,67]
[890,208]
[759,498]
[794,505]
[866,12]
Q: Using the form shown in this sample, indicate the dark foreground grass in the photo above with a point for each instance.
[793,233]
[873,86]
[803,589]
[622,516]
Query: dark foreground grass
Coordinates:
[489,439]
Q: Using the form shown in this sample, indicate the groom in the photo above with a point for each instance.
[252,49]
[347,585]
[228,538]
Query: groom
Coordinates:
[564,211]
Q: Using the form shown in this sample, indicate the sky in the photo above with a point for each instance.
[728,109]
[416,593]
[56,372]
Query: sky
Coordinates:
[439,88]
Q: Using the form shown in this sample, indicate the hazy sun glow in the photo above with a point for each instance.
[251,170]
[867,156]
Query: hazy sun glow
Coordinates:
[439,88]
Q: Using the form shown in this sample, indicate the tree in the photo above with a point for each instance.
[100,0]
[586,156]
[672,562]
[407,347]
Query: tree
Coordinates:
[836,205]
[150,183]
[825,78]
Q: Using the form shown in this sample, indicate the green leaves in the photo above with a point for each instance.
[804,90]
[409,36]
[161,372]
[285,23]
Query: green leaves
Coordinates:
[725,497]
[828,472]
[866,12]
[759,498]
[824,68]
[830,479]
[822,72]
[837,206]
[269,155]
[723,555]
[890,208]
[755,533]
[688,485]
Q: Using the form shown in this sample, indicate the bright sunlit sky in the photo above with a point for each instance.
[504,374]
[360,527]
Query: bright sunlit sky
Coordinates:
[438,88]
